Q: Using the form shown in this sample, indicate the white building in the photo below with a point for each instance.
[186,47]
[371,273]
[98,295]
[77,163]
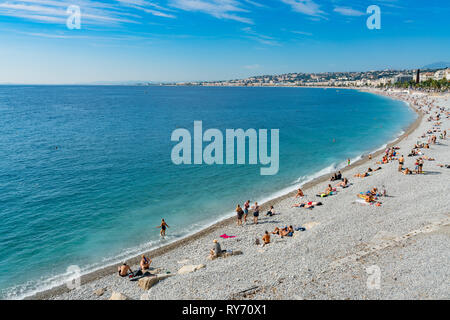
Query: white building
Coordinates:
[439,75]
[424,76]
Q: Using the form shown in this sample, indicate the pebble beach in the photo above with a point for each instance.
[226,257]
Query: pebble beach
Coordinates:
[349,249]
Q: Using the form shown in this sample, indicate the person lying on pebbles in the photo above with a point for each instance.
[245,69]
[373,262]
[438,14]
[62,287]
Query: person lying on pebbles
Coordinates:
[361,175]
[344,183]
[307,205]
[407,171]
[283,232]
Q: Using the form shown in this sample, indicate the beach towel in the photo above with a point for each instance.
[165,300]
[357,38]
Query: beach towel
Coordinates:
[225,236]
[362,201]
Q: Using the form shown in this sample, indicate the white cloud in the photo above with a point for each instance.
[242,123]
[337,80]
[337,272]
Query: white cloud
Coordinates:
[221,9]
[348,11]
[92,12]
[308,7]
[142,5]
[256,4]
[263,39]
[303,33]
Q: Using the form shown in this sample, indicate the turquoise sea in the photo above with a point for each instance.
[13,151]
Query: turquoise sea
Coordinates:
[86,173]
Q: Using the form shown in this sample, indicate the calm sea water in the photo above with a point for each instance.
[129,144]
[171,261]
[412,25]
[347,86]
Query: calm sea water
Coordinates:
[86,173]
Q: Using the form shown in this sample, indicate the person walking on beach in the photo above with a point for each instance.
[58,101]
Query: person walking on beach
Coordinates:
[246,207]
[255,213]
[240,213]
[163,227]
[401,160]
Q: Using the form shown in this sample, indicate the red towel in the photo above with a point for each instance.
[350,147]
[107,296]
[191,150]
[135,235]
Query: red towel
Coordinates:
[225,236]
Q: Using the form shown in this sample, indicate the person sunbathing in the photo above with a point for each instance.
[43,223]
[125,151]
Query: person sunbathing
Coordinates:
[291,231]
[299,193]
[343,183]
[124,270]
[276,231]
[374,191]
[266,238]
[327,191]
[145,263]
[407,171]
[284,232]
[361,175]
[271,212]
[368,197]
[287,232]
[307,205]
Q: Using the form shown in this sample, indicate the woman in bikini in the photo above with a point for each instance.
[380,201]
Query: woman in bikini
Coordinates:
[299,193]
[240,213]
[145,263]
[343,183]
[246,206]
[163,227]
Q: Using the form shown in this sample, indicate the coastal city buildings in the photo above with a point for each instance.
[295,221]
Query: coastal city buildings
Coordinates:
[331,79]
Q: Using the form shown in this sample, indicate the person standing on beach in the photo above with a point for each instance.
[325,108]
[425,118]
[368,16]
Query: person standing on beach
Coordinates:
[255,213]
[401,160]
[163,227]
[240,213]
[348,161]
[246,206]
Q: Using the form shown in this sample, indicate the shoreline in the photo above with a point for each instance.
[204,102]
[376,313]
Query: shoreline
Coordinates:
[154,253]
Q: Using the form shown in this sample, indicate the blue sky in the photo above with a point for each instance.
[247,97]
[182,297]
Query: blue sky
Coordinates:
[183,40]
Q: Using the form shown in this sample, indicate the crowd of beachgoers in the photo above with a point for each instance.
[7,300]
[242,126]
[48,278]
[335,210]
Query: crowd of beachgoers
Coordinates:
[269,243]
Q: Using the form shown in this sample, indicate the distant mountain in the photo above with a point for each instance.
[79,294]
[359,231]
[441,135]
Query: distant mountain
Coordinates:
[437,65]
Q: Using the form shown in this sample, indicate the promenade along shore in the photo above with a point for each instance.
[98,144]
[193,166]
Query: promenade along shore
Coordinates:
[350,249]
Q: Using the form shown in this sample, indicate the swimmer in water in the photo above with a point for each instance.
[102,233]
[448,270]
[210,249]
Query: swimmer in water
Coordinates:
[163,227]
